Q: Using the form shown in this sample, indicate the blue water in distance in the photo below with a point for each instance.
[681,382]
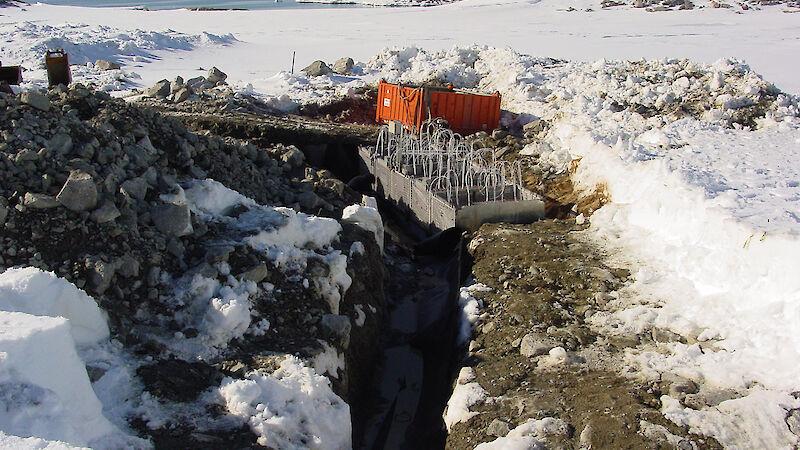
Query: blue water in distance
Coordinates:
[178,4]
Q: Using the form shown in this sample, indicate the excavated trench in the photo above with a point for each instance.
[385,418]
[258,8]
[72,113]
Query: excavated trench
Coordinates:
[413,368]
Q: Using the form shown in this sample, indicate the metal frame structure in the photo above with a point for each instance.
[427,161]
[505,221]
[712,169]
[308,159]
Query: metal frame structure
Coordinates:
[460,172]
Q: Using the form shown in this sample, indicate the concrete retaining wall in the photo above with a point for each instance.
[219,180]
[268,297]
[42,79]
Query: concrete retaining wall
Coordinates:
[433,212]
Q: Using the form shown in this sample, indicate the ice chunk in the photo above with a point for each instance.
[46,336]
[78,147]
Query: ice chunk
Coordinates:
[39,293]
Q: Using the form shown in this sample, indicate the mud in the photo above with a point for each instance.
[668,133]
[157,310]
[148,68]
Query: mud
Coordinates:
[545,279]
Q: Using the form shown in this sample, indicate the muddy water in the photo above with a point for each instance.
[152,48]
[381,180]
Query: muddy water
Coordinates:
[412,381]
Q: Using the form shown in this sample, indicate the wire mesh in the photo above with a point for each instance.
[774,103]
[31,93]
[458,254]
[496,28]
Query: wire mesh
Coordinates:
[461,171]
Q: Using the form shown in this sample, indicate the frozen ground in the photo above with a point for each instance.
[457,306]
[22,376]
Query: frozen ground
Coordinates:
[703,197]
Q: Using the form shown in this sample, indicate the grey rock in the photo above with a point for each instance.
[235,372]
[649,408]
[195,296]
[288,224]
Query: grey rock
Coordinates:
[128,266]
[535,344]
[256,274]
[535,127]
[706,398]
[102,64]
[79,192]
[26,155]
[39,201]
[337,326]
[134,188]
[310,200]
[176,248]
[60,143]
[172,219]
[293,156]
[100,274]
[205,269]
[662,335]
[334,185]
[3,211]
[216,76]
[36,100]
[793,421]
[219,253]
[499,134]
[153,276]
[195,82]
[182,95]
[498,428]
[160,89]
[317,68]
[106,212]
[177,84]
[680,389]
[343,66]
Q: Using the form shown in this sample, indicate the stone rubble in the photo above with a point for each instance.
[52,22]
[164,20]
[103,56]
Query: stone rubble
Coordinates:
[87,190]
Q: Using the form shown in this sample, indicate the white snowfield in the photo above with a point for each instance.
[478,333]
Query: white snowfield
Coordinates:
[705,206]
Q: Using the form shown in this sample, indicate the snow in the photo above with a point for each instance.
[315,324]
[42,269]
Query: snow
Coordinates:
[528,435]
[465,394]
[292,408]
[367,218]
[40,293]
[469,308]
[704,205]
[45,389]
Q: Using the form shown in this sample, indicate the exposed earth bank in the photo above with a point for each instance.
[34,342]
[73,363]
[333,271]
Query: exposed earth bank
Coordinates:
[542,371]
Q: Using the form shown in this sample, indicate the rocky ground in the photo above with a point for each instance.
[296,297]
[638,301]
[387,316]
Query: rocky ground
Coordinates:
[536,356]
[87,191]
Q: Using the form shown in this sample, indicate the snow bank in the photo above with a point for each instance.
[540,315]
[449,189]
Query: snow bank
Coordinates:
[293,408]
[367,218]
[733,422]
[39,293]
[465,394]
[43,382]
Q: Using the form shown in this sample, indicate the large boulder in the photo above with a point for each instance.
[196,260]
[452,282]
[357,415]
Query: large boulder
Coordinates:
[343,66]
[79,192]
[216,76]
[102,64]
[36,100]
[172,219]
[317,68]
[161,89]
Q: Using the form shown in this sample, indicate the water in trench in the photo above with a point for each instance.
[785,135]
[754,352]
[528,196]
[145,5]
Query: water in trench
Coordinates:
[413,378]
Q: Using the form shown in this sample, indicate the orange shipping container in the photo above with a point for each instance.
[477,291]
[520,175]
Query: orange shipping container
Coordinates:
[465,112]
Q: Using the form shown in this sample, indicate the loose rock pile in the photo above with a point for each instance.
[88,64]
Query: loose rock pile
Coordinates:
[87,190]
[212,86]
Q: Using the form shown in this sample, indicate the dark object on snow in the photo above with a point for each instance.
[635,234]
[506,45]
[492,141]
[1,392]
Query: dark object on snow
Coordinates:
[11,74]
[57,63]
[361,183]
[5,88]
[440,244]
[317,68]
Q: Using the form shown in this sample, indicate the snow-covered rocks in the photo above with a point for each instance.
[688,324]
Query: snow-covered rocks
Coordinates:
[188,272]
[367,218]
[465,394]
[291,408]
